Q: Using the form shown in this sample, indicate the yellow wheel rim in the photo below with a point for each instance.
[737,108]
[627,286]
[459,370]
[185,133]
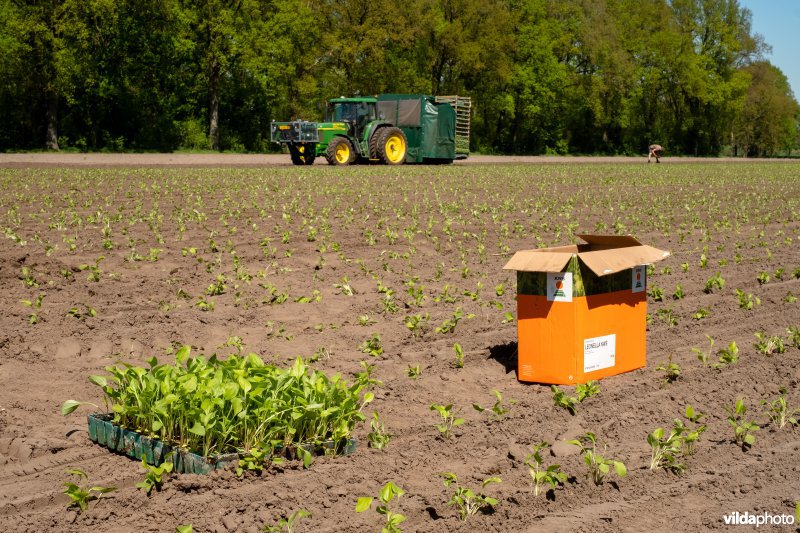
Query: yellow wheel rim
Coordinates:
[395,148]
[342,153]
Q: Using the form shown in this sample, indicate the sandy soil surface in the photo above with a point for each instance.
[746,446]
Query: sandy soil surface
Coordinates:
[262,160]
[438,237]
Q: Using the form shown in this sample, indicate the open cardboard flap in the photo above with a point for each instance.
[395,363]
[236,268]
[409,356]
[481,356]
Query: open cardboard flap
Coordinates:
[603,254]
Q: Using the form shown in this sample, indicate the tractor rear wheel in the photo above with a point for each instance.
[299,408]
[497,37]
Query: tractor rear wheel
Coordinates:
[340,152]
[303,154]
[391,146]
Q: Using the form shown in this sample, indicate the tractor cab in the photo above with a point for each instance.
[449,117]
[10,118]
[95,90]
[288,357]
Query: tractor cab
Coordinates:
[355,112]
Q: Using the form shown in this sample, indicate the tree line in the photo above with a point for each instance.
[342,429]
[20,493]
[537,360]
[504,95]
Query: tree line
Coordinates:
[545,76]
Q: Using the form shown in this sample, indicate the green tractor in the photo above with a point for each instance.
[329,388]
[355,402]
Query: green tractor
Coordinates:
[391,129]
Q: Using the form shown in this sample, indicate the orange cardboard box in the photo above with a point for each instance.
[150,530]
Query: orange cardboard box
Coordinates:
[581,309]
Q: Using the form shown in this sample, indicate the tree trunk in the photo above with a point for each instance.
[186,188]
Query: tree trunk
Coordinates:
[213,111]
[51,141]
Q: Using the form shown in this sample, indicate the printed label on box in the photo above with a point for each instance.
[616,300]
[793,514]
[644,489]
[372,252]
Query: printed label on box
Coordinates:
[599,352]
[638,277]
[559,286]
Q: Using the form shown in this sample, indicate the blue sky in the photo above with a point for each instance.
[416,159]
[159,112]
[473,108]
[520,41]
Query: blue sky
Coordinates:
[779,22]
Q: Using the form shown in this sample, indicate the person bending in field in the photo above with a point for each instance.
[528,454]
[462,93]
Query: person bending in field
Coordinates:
[655,151]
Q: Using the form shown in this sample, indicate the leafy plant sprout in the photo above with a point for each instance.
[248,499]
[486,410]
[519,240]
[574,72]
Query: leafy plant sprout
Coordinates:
[743,428]
[466,500]
[541,475]
[598,465]
[448,420]
[388,494]
[287,524]
[672,371]
[81,495]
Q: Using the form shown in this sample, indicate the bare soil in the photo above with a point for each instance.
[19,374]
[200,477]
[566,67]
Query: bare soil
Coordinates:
[746,215]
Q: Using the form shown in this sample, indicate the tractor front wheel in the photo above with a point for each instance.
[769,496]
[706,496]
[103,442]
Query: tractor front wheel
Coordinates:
[391,146]
[340,152]
[303,154]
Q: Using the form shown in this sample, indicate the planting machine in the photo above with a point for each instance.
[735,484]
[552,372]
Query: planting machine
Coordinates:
[391,129]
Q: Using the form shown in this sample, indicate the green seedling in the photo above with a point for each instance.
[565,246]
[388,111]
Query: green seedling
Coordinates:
[762,278]
[747,301]
[447,418]
[497,409]
[81,315]
[701,313]
[728,355]
[684,267]
[185,528]
[672,371]
[414,371]
[779,411]
[790,298]
[344,287]
[94,270]
[35,305]
[691,435]
[587,390]
[449,325]
[678,294]
[459,361]
[657,294]
[389,493]
[541,476]
[598,465]
[769,345]
[561,399]
[27,278]
[365,320]
[372,346]
[743,428]
[79,495]
[467,501]
[255,459]
[378,437]
[666,451]
[417,324]
[793,338]
[715,282]
[668,316]
[779,273]
[287,524]
[154,477]
[218,287]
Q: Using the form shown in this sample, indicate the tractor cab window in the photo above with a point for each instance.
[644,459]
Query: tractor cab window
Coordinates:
[353,112]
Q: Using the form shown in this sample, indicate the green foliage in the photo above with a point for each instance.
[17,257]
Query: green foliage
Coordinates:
[466,500]
[743,428]
[81,495]
[212,406]
[598,466]
[747,301]
[287,524]
[769,344]
[587,390]
[672,371]
[725,356]
[715,282]
[561,399]
[378,437]
[388,494]
[154,476]
[372,345]
[551,475]
[498,409]
[459,361]
[448,420]
[779,411]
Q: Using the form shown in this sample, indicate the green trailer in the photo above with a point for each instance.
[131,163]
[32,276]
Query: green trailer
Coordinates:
[390,128]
